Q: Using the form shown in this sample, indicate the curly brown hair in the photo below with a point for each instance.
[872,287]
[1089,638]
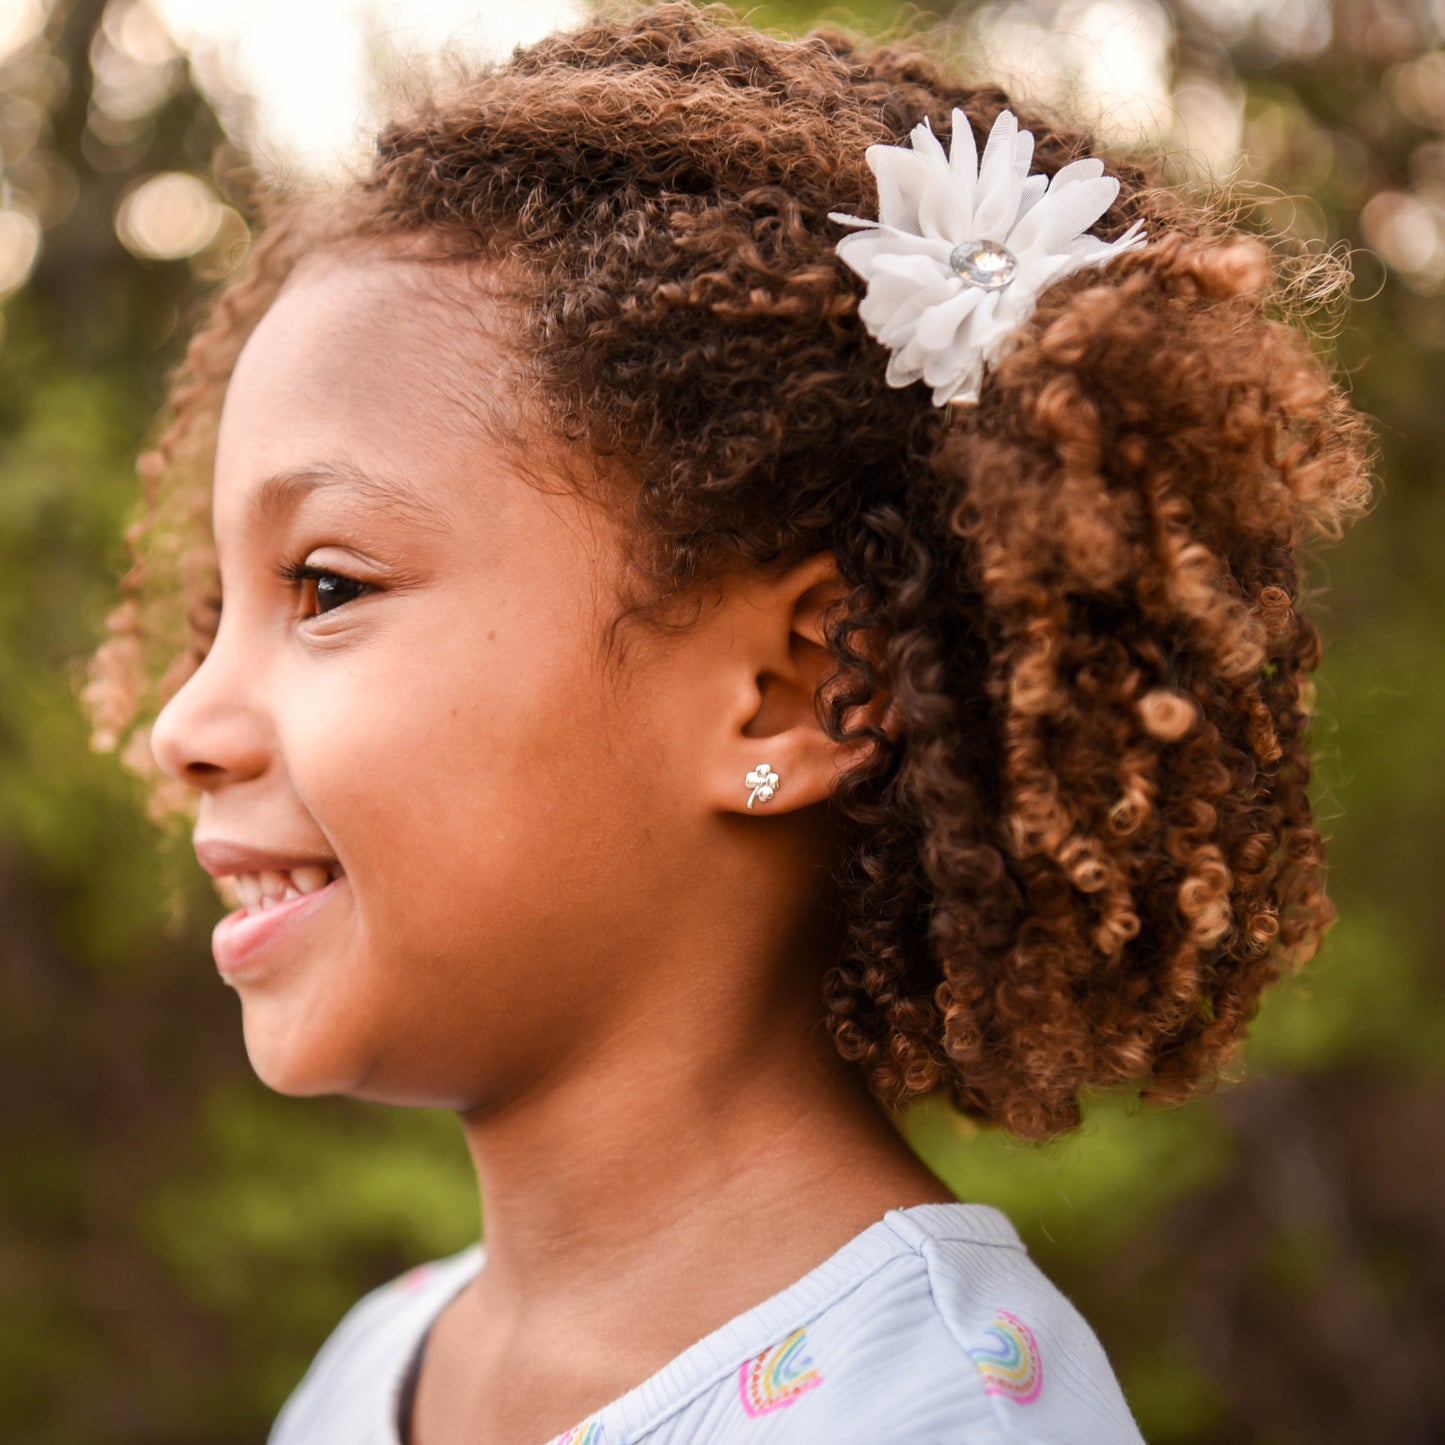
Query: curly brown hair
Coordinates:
[1083,844]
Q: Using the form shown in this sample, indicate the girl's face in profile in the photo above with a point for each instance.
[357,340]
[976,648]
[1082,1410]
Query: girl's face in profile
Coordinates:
[407,703]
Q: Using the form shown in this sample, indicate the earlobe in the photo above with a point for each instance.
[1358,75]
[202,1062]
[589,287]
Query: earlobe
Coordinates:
[821,763]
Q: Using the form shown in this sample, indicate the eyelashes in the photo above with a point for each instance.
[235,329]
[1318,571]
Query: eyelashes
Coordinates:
[323,589]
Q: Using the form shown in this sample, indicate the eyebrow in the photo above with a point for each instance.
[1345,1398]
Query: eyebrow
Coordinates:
[280,494]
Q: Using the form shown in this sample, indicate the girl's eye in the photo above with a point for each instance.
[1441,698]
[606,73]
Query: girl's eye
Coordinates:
[324,591]
[334,590]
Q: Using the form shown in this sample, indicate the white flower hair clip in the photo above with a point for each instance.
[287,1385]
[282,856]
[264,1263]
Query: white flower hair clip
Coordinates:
[962,248]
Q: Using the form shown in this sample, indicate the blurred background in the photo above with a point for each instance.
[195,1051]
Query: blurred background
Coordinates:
[1267,1265]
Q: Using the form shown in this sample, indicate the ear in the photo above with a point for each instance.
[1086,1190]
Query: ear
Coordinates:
[776,665]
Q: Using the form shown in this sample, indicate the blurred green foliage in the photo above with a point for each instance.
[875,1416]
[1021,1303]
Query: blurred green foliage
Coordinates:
[1265,1265]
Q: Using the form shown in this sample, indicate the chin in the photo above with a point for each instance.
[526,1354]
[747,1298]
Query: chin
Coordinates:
[301,1061]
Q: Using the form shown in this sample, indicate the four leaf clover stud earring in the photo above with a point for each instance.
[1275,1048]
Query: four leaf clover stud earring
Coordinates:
[764,783]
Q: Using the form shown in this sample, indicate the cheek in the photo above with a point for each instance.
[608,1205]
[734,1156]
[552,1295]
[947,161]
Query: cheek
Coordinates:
[492,849]
[462,784]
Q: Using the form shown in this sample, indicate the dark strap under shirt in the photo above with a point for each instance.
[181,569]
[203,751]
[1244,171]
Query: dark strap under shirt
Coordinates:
[406,1397]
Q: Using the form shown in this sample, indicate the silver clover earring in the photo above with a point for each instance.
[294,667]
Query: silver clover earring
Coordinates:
[764,783]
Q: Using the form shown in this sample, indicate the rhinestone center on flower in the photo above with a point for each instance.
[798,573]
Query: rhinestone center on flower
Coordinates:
[985,264]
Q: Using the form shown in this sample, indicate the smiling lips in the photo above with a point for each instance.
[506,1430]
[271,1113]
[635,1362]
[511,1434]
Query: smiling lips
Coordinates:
[275,902]
[259,879]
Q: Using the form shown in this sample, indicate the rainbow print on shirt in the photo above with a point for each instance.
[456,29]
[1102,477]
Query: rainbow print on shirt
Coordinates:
[778,1376]
[589,1432]
[1010,1363]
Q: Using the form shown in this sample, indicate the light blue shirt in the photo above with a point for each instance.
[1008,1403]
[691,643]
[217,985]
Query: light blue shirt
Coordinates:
[931,1327]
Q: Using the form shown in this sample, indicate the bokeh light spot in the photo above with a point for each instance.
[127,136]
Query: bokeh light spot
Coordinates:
[1108,58]
[169,216]
[19,246]
[1408,233]
[20,22]
[258,61]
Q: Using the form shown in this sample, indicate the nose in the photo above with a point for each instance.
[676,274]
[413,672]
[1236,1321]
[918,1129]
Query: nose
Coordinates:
[211,732]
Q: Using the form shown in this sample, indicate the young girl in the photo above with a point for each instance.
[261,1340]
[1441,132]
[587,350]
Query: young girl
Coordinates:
[759,585]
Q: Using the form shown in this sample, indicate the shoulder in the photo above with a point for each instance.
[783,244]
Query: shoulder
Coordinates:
[349,1392]
[962,1338]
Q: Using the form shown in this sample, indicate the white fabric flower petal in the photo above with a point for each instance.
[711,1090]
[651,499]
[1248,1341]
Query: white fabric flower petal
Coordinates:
[941,215]
[961,356]
[1023,152]
[914,187]
[1034,189]
[902,289]
[1090,248]
[963,167]
[944,325]
[928,145]
[862,248]
[940,324]
[896,300]
[1088,168]
[999,183]
[962,350]
[1133,238]
[989,328]
[900,372]
[902,178]
[1063,213]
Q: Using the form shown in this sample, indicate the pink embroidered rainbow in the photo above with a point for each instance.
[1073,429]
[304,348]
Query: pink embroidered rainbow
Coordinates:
[1010,1364]
[778,1376]
[589,1432]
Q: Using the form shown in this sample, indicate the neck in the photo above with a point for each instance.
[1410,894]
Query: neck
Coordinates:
[699,1138]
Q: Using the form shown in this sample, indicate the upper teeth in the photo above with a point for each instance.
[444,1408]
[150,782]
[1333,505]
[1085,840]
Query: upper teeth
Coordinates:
[270,887]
